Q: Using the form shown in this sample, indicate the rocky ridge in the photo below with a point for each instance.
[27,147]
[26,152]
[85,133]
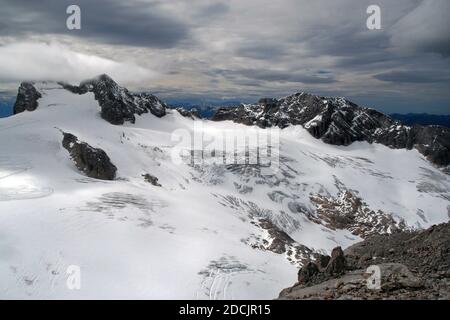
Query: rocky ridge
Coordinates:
[340,122]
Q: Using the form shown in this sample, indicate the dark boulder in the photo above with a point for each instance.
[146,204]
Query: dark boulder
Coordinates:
[322,261]
[337,263]
[94,162]
[151,179]
[307,272]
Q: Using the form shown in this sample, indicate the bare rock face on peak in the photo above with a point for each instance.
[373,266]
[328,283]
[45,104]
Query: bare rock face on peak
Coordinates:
[94,162]
[340,122]
[117,103]
[27,98]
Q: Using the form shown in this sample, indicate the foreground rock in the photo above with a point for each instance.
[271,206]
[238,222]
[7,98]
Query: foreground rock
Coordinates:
[94,162]
[340,122]
[413,265]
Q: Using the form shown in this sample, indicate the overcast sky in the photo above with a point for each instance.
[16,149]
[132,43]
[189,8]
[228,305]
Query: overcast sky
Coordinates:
[237,49]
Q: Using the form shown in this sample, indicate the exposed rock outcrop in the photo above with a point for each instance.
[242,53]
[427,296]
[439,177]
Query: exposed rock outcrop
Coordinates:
[412,265]
[348,211]
[151,179]
[27,98]
[94,162]
[192,113]
[340,122]
[280,242]
[117,103]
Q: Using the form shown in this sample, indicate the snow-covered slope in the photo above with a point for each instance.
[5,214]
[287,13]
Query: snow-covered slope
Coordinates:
[209,231]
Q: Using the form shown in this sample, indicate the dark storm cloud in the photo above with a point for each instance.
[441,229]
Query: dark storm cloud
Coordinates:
[108,21]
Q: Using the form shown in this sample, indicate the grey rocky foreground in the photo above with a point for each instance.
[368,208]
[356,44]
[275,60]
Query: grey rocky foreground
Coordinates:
[413,265]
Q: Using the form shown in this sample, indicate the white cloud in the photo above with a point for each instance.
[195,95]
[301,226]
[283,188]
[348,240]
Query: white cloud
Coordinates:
[40,61]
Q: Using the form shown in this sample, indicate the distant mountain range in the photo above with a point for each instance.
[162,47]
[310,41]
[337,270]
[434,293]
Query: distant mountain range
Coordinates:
[424,119]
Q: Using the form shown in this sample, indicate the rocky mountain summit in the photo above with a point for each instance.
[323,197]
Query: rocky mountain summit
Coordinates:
[340,122]
[27,98]
[117,103]
[413,265]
